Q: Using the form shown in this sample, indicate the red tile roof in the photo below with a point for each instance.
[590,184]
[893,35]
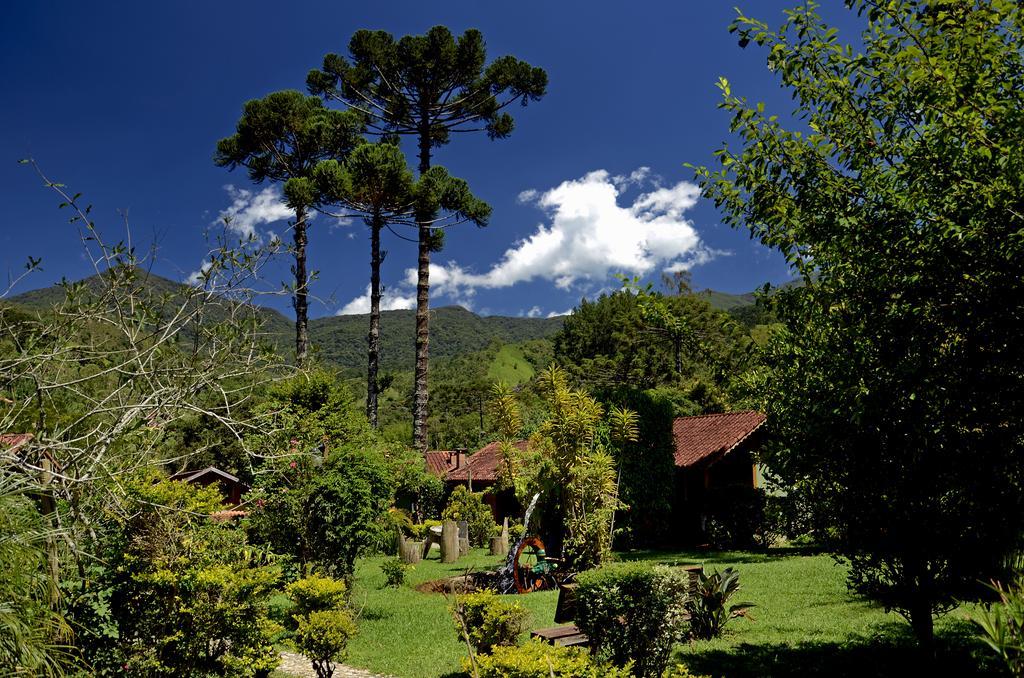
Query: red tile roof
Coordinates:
[710,437]
[439,462]
[483,464]
[14,439]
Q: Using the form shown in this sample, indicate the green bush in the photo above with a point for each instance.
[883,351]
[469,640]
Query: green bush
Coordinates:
[490,620]
[186,597]
[540,660]
[325,512]
[470,506]
[631,612]
[317,593]
[1002,626]
[323,637]
[394,572]
[709,606]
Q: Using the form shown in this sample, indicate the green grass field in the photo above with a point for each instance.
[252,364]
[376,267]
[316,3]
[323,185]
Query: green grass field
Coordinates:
[510,366]
[806,623]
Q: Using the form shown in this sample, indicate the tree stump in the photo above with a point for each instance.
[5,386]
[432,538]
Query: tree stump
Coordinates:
[463,537]
[499,546]
[410,551]
[449,542]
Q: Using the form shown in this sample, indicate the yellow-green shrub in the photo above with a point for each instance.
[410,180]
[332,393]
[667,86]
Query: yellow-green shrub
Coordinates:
[491,621]
[323,637]
[540,660]
[317,593]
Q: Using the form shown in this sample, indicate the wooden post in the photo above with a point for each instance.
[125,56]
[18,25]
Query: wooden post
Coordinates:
[499,544]
[449,541]
[463,537]
[409,551]
[499,547]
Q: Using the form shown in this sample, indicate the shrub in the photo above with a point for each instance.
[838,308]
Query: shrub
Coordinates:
[342,509]
[188,597]
[631,611]
[490,620]
[470,506]
[394,572]
[709,605]
[323,637]
[317,593]
[1002,625]
[540,660]
[327,514]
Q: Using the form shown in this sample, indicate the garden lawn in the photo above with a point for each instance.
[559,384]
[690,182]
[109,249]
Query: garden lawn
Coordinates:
[409,634]
[806,623]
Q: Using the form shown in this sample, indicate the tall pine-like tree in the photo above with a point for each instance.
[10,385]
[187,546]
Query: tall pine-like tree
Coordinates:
[427,87]
[281,138]
[375,182]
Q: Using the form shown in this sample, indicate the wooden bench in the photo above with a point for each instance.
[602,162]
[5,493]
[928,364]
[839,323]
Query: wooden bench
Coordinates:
[569,634]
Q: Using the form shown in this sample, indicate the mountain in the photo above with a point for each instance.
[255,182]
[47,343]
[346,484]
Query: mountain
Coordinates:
[341,340]
[723,301]
[454,331]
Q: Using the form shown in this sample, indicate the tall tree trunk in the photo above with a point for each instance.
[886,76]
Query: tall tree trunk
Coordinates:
[374,337]
[301,289]
[420,401]
[420,397]
[677,346]
[920,610]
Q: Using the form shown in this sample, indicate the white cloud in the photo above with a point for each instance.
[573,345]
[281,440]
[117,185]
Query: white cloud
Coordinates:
[388,302]
[556,314]
[589,235]
[534,312]
[248,210]
[529,195]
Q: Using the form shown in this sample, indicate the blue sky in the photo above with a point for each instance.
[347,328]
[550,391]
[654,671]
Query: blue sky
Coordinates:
[124,101]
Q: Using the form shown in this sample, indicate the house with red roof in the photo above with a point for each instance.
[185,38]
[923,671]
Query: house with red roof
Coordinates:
[712,452]
[479,472]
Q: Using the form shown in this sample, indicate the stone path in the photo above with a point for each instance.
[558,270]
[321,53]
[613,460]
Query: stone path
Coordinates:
[296,665]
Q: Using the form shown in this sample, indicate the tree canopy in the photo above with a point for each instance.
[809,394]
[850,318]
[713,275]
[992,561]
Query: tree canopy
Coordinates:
[895,191]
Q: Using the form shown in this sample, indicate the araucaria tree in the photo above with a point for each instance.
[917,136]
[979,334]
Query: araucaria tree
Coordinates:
[281,138]
[894,394]
[427,86]
[375,182]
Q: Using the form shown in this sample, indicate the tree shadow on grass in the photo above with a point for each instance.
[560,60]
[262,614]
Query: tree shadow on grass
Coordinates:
[699,556]
[893,654]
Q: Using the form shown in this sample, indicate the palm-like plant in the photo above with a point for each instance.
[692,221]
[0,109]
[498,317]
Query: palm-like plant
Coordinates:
[32,635]
[709,606]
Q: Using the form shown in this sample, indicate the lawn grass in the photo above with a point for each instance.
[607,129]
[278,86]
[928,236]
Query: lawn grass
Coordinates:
[806,623]
[409,634]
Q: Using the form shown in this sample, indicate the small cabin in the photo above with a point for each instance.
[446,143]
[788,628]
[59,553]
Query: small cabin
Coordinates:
[230,487]
[712,452]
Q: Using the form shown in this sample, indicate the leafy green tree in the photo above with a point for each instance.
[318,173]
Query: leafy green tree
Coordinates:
[427,86]
[187,596]
[639,338]
[894,393]
[281,138]
[570,462]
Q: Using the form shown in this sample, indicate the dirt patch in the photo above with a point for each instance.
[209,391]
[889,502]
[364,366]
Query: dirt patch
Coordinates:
[463,583]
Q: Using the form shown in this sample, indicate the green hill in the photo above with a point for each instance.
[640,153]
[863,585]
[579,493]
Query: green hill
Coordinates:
[723,301]
[341,340]
[454,331]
